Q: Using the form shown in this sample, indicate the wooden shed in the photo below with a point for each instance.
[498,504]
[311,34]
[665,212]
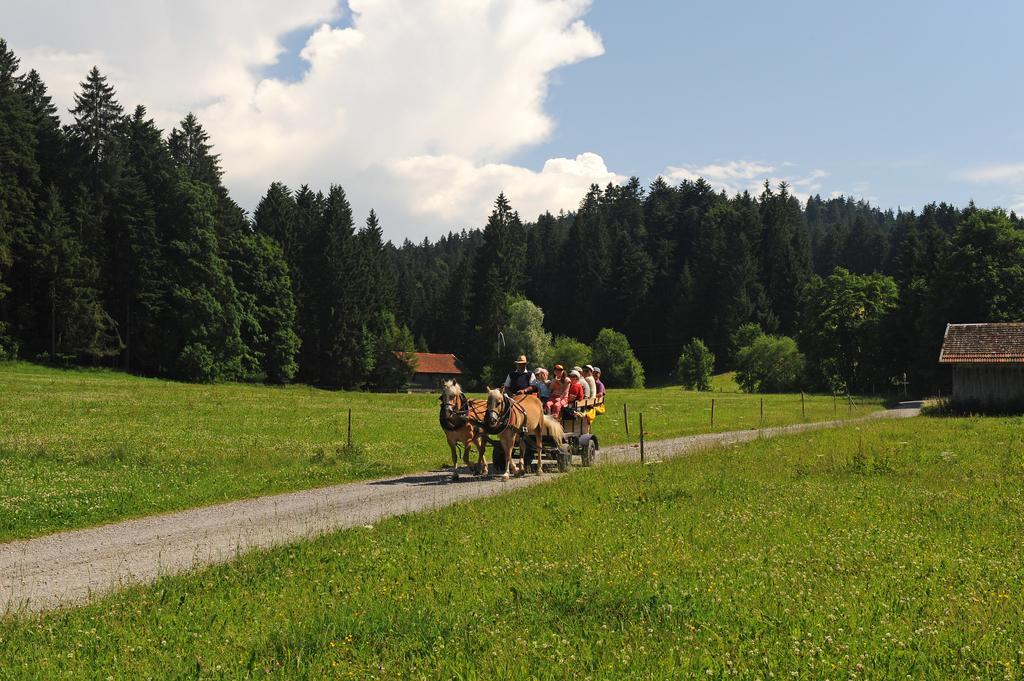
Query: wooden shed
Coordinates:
[433,368]
[988,365]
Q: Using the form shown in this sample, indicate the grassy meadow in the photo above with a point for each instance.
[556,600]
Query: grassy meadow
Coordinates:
[83,447]
[886,550]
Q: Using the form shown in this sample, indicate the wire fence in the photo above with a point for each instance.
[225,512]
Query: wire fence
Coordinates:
[718,412]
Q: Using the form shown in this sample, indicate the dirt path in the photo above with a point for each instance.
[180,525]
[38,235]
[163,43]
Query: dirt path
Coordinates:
[71,567]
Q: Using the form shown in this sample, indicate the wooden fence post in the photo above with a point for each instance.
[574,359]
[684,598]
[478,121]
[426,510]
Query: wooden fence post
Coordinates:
[712,412]
[625,417]
[350,427]
[762,411]
[642,458]
[835,407]
[803,410]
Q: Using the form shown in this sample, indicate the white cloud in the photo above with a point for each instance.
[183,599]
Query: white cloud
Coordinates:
[999,173]
[171,55]
[442,186]
[414,106]
[1010,175]
[738,176]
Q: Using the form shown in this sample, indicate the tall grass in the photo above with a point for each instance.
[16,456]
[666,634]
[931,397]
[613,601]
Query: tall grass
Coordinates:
[886,551]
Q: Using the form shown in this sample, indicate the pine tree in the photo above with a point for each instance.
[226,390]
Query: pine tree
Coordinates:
[77,325]
[785,254]
[191,150]
[585,259]
[275,216]
[632,277]
[95,138]
[19,188]
[648,327]
[346,351]
[541,257]
[50,147]
[96,113]
[864,249]
[260,273]
[378,285]
[631,268]
[308,279]
[498,272]
[147,156]
[138,288]
[659,219]
[202,323]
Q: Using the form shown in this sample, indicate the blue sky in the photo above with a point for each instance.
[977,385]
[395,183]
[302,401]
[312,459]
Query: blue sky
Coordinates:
[895,100]
[426,110]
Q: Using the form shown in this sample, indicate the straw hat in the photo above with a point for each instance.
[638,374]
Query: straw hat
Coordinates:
[521,360]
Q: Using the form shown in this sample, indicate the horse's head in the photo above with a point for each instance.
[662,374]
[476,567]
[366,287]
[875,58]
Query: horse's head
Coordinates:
[451,394]
[495,399]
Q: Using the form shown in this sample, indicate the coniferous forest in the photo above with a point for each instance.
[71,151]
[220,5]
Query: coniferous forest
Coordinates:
[121,247]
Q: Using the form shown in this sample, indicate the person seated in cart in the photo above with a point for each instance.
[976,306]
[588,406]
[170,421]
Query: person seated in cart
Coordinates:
[541,384]
[576,391]
[575,395]
[587,394]
[598,383]
[520,381]
[588,378]
[599,392]
[558,388]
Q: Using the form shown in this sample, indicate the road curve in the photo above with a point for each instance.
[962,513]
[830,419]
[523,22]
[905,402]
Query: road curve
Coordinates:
[69,568]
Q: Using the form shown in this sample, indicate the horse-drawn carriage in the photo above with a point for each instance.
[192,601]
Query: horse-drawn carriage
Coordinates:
[517,426]
[580,444]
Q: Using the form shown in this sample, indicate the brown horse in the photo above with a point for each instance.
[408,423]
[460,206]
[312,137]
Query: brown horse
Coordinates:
[507,417]
[457,419]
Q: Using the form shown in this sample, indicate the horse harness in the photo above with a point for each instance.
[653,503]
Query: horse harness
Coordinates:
[504,420]
[452,419]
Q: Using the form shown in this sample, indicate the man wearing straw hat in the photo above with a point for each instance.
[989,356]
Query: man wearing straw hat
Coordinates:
[520,380]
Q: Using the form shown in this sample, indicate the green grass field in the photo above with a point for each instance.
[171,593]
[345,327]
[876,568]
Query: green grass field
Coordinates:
[80,447]
[889,550]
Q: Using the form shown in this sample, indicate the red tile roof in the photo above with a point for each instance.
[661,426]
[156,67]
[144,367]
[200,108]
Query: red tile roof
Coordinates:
[432,363]
[983,344]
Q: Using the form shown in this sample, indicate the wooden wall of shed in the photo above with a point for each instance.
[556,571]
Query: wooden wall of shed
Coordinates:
[989,386]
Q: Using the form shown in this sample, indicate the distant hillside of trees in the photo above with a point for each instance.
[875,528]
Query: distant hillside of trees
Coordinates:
[120,246]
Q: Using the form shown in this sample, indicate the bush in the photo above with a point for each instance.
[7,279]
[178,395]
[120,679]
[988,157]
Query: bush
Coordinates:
[745,335]
[695,366]
[196,363]
[619,366]
[569,352]
[770,364]
[8,348]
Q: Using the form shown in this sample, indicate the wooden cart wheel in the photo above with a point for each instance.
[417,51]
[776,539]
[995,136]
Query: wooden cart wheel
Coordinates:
[564,457]
[587,455]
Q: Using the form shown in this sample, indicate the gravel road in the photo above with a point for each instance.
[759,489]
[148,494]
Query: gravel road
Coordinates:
[69,568]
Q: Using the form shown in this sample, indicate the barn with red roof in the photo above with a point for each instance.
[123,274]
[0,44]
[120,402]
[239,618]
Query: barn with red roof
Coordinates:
[988,365]
[433,368]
